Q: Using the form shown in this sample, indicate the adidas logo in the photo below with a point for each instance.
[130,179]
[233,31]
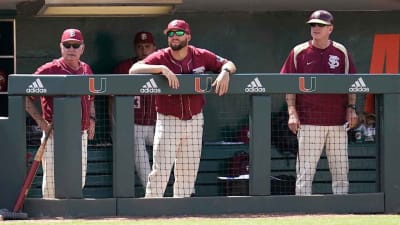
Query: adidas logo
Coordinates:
[359,86]
[150,87]
[255,86]
[36,87]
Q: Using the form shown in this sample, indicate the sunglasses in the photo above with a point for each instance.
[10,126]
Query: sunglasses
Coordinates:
[69,45]
[178,33]
[318,24]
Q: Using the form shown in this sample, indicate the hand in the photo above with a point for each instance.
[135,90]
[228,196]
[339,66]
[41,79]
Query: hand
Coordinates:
[173,81]
[294,123]
[221,84]
[91,129]
[352,118]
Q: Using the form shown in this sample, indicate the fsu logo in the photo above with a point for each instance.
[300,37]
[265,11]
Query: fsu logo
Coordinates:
[305,88]
[92,86]
[333,61]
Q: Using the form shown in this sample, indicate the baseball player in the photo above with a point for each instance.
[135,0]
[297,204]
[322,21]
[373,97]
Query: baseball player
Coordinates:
[72,47]
[179,125]
[144,107]
[318,119]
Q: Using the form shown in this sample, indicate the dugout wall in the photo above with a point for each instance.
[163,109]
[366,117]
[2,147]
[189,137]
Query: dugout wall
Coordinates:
[123,203]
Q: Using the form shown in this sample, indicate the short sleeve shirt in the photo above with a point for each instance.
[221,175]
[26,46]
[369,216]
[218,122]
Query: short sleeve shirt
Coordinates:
[197,61]
[58,66]
[320,109]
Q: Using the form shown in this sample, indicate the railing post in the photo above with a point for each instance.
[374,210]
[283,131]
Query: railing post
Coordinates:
[13,151]
[391,155]
[67,147]
[260,145]
[123,142]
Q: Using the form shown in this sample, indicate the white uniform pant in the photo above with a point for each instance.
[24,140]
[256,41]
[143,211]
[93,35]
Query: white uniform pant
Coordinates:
[312,140]
[176,143]
[144,135]
[48,165]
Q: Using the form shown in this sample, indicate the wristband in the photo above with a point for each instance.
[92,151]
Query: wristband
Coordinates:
[352,106]
[227,70]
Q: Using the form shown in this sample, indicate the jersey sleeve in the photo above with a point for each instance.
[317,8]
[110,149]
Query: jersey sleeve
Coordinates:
[154,58]
[214,62]
[288,65]
[352,68]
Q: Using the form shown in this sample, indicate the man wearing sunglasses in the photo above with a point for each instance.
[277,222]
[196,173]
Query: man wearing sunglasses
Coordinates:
[179,125]
[144,106]
[321,120]
[71,47]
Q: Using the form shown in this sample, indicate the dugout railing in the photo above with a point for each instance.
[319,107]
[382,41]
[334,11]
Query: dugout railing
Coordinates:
[70,201]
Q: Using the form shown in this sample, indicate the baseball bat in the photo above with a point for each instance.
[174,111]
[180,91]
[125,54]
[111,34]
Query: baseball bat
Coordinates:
[32,171]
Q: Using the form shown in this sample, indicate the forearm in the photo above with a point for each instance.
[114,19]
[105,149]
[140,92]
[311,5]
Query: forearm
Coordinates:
[34,112]
[291,103]
[352,99]
[92,110]
[141,68]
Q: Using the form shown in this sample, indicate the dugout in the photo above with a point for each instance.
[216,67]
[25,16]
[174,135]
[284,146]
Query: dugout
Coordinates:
[259,199]
[258,43]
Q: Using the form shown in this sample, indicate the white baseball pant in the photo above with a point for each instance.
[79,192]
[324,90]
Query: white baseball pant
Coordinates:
[176,143]
[48,189]
[312,140]
[144,135]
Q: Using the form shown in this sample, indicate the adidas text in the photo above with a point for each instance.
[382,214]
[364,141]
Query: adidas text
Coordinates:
[36,90]
[359,89]
[150,90]
[254,89]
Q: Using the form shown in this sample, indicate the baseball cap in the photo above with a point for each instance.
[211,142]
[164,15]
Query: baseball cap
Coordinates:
[177,25]
[72,35]
[144,37]
[322,17]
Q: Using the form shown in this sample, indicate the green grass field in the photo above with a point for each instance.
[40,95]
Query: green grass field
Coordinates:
[227,220]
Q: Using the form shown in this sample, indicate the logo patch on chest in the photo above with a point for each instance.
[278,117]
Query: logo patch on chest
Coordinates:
[333,61]
[200,69]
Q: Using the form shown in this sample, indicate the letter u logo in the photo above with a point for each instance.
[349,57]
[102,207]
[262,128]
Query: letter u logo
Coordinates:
[313,85]
[197,85]
[92,86]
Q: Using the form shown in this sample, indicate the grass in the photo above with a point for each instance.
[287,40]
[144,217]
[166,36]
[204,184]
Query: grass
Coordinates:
[226,220]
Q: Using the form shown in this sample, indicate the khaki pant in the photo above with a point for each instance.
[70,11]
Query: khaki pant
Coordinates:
[312,140]
[48,165]
[176,143]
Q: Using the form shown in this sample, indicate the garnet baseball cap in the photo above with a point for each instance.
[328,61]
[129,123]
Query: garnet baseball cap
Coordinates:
[322,17]
[72,35]
[177,25]
[144,37]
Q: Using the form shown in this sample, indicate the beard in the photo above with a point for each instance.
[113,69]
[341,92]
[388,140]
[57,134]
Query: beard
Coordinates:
[179,46]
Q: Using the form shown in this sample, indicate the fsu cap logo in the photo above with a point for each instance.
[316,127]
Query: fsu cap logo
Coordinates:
[143,36]
[72,33]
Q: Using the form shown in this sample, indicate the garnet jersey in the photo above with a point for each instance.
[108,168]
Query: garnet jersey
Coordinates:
[144,105]
[197,61]
[56,67]
[320,109]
